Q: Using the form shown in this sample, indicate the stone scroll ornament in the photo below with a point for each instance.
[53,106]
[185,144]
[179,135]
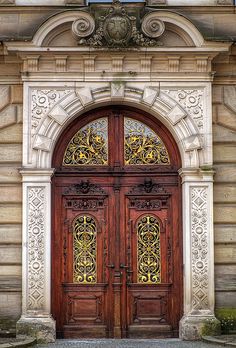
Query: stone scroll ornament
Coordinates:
[116,29]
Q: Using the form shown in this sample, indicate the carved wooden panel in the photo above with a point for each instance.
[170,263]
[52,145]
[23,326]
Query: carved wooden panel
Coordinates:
[87,308]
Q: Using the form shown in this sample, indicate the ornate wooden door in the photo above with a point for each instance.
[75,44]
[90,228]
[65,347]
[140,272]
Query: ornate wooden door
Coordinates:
[116,244]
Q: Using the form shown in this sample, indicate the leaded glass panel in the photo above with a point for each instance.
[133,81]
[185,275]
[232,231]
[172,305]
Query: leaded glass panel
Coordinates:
[143,145]
[85,250]
[89,146]
[149,252]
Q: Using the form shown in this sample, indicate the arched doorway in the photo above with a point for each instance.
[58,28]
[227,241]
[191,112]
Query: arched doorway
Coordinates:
[116,235]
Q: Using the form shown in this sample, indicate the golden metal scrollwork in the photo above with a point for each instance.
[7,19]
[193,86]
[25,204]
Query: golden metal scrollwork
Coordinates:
[89,146]
[143,145]
[149,251]
[85,250]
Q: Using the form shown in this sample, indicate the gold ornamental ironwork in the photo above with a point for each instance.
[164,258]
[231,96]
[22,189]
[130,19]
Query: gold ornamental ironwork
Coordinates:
[85,250]
[143,145]
[89,146]
[149,250]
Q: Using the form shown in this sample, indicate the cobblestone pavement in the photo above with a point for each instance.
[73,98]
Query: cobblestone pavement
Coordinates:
[131,343]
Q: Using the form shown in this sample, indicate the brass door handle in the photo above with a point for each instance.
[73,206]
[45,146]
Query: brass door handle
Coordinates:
[110,266]
[123,266]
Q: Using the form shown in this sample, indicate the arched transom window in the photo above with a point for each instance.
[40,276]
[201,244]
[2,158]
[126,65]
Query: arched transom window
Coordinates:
[141,145]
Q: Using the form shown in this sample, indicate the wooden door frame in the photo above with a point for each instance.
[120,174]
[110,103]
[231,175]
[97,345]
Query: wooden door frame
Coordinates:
[141,116]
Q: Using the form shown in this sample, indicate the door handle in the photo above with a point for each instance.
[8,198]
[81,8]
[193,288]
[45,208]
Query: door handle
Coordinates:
[123,266]
[110,266]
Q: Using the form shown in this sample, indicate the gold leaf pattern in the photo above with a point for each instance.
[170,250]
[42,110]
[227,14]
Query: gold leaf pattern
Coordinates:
[85,250]
[89,146]
[149,252]
[142,145]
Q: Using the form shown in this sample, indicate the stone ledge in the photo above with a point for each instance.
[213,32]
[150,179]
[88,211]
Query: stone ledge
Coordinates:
[225,340]
[18,343]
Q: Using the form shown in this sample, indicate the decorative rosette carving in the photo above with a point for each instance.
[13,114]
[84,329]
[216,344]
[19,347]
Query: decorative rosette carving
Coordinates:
[83,26]
[152,26]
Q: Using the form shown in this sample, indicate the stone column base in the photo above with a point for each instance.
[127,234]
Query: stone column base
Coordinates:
[192,328]
[43,329]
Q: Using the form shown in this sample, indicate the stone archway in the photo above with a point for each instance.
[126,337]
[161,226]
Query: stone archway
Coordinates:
[174,107]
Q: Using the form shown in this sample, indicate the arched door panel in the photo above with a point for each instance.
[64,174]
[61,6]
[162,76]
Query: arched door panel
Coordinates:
[116,229]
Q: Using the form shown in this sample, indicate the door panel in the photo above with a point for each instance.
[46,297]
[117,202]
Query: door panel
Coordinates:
[148,281]
[85,255]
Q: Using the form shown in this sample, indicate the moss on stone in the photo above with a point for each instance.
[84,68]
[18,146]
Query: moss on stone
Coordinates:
[211,327]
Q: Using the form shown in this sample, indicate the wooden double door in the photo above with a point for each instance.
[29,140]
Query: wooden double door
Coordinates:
[116,250]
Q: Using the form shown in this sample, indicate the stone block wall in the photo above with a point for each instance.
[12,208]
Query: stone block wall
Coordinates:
[224,138]
[10,204]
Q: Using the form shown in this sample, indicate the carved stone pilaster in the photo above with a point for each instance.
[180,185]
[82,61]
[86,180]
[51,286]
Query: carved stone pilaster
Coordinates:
[36,259]
[198,252]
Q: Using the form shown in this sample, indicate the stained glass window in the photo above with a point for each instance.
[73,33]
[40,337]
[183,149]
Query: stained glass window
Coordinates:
[89,146]
[149,252]
[85,250]
[143,145]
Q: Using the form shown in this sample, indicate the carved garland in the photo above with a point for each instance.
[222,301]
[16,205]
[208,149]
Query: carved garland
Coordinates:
[200,254]
[36,247]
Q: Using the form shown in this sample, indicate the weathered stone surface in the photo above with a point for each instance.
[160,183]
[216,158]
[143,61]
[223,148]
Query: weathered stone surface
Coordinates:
[226,117]
[217,94]
[222,134]
[4,96]
[191,327]
[10,254]
[10,305]
[9,175]
[224,153]
[225,233]
[17,94]
[8,116]
[230,97]
[10,213]
[224,2]
[10,283]
[7,2]
[225,213]
[225,253]
[225,193]
[19,114]
[75,2]
[225,277]
[10,234]
[11,270]
[225,173]
[42,329]
[11,134]
[224,299]
[156,2]
[10,153]
[10,194]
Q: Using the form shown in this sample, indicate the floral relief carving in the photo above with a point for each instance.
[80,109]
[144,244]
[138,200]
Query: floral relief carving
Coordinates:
[42,101]
[192,101]
[36,247]
[200,253]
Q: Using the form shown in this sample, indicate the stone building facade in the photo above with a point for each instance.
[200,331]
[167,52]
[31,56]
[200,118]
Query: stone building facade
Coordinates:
[178,64]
